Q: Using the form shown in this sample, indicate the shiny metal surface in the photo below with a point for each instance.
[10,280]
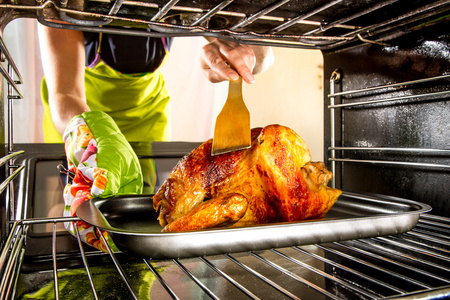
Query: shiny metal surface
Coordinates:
[132,223]
[305,24]
[388,121]
[411,264]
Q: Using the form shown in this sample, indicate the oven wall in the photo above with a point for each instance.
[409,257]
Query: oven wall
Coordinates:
[414,123]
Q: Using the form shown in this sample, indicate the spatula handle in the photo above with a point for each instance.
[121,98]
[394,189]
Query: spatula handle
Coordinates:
[235,88]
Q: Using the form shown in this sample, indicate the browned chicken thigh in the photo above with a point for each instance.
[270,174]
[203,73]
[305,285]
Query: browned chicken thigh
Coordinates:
[273,181]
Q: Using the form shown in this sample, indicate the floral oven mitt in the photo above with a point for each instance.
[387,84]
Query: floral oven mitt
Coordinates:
[104,165]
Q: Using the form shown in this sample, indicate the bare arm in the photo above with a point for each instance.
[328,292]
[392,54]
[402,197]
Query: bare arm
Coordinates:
[63,59]
[223,60]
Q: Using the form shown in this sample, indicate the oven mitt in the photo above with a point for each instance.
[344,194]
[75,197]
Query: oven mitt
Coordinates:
[102,164]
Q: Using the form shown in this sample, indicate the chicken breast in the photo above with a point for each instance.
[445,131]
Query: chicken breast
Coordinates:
[272,181]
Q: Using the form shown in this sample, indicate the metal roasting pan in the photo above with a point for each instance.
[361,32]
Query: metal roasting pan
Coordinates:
[132,223]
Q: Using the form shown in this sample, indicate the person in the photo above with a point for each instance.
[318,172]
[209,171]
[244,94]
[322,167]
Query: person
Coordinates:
[102,91]
[70,89]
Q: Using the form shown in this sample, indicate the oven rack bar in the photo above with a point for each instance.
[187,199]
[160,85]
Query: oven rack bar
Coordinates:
[334,107]
[360,246]
[424,97]
[261,277]
[323,274]
[389,86]
[161,29]
[55,270]
[417,151]
[350,270]
[10,178]
[259,15]
[293,21]
[397,22]
[10,80]
[413,263]
[240,30]
[6,161]
[411,150]
[14,171]
[11,259]
[393,163]
[352,17]
[211,12]
[10,62]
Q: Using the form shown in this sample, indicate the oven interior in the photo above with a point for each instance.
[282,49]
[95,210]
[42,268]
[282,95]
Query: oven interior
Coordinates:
[386,108]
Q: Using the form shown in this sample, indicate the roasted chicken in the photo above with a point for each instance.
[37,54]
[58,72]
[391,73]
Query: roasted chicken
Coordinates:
[273,181]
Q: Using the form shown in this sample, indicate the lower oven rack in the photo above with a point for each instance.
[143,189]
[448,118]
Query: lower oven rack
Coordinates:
[407,265]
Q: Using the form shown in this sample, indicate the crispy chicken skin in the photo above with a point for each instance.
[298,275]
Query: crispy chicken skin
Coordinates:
[272,181]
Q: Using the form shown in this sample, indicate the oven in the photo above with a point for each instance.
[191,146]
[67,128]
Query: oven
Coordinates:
[386,138]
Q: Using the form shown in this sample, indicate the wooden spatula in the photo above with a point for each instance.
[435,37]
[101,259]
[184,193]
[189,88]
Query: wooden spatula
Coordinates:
[232,129]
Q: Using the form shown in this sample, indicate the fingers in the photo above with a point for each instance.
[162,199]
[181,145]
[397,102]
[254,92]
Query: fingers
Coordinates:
[216,68]
[223,60]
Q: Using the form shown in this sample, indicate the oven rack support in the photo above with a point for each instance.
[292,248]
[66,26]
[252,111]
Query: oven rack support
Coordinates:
[352,100]
[13,78]
[12,232]
[392,267]
[301,31]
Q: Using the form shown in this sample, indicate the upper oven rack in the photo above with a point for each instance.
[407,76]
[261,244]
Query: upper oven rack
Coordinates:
[321,25]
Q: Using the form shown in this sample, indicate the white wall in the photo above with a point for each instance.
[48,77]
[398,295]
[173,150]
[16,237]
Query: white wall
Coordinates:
[290,94]
[20,37]
[191,93]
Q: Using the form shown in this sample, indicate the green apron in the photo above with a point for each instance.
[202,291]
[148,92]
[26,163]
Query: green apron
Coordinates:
[138,103]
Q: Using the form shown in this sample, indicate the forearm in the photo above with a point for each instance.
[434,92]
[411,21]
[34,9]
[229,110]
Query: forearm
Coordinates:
[62,53]
[64,107]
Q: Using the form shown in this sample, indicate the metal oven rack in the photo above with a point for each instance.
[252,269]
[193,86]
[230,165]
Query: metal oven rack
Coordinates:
[392,267]
[321,25]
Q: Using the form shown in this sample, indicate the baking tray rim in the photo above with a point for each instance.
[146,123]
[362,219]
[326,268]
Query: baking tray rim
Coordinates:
[91,205]
[259,237]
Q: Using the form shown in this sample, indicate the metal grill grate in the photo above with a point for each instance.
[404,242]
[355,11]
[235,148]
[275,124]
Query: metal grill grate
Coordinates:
[304,24]
[412,263]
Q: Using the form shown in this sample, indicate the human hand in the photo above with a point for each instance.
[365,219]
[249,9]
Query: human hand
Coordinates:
[104,165]
[223,60]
